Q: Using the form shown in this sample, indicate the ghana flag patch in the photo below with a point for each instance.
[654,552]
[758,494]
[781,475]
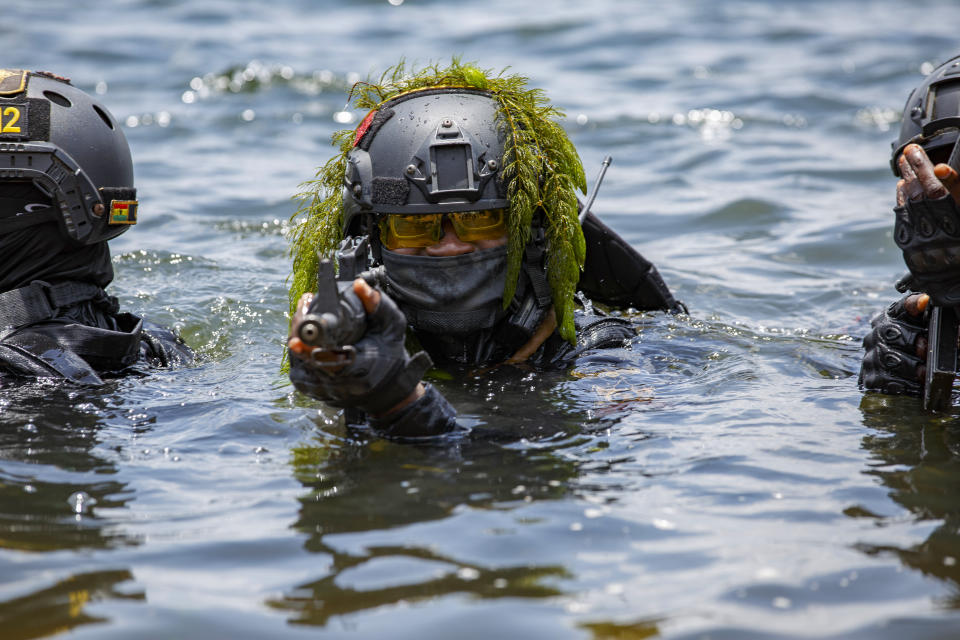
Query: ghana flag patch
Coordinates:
[123,212]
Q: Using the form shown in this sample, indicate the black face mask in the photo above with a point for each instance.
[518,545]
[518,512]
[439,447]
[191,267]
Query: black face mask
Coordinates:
[455,295]
[31,252]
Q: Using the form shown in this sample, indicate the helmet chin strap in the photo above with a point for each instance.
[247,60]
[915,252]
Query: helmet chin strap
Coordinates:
[954,160]
[544,331]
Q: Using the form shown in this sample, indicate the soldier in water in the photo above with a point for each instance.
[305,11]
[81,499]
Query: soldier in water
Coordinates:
[455,201]
[927,230]
[66,189]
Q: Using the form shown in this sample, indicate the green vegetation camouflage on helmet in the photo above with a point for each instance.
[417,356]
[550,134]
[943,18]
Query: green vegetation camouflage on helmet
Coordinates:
[540,169]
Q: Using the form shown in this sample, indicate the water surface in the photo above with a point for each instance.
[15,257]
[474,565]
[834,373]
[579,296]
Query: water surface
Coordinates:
[731,482]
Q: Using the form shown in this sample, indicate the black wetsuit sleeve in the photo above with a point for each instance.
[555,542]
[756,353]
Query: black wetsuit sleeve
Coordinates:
[428,415]
[432,415]
[593,333]
[161,347]
[84,342]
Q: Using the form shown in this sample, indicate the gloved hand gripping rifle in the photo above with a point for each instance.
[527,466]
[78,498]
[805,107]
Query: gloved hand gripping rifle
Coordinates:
[928,231]
[336,319]
[357,360]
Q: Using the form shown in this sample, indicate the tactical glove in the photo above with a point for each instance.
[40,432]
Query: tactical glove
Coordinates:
[927,230]
[890,362]
[381,374]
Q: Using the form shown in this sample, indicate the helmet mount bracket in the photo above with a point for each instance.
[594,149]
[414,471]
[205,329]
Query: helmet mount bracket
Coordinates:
[57,176]
[453,169]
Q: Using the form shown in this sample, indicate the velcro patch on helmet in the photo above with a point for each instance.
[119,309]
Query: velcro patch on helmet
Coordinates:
[12,81]
[389,191]
[25,120]
[123,212]
[14,120]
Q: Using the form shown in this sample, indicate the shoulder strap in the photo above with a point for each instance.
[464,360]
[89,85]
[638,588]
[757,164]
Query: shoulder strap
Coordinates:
[40,301]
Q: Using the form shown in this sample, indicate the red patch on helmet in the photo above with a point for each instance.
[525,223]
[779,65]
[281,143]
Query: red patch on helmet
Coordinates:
[364,127]
[53,76]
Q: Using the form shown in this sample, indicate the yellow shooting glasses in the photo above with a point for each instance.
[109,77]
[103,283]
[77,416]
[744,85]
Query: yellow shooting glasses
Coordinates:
[402,231]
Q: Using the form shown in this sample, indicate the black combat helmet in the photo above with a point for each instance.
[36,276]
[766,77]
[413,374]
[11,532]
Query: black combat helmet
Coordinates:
[931,117]
[439,150]
[430,151]
[65,144]
[453,139]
